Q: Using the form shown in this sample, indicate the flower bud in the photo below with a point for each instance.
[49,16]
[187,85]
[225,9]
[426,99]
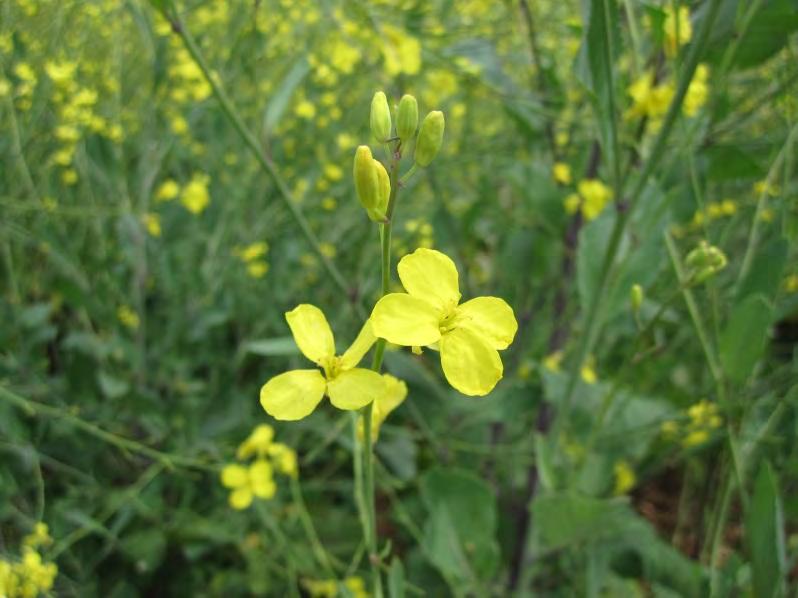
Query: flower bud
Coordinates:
[383,187]
[698,256]
[380,117]
[430,138]
[367,183]
[636,297]
[407,118]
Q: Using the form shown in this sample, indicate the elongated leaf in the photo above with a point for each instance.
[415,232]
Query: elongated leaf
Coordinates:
[744,338]
[764,528]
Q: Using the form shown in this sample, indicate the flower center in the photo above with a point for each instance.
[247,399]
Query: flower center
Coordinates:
[448,319]
[331,367]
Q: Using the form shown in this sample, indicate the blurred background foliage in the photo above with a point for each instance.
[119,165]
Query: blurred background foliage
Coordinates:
[148,256]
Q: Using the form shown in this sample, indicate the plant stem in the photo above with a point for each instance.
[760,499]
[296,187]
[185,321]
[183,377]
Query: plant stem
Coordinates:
[265,161]
[591,319]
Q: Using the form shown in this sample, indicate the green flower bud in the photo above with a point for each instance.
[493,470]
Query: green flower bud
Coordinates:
[367,183]
[636,297]
[430,138]
[383,188]
[380,117]
[698,256]
[407,118]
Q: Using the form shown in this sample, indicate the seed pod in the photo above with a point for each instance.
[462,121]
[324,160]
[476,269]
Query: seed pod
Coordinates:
[430,138]
[636,297]
[367,182]
[380,117]
[407,118]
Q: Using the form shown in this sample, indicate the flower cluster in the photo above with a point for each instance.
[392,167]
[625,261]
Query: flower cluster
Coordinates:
[328,588]
[31,575]
[254,258]
[255,479]
[591,198]
[702,418]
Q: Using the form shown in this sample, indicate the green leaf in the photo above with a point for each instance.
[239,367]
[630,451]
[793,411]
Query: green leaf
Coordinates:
[460,532]
[570,520]
[764,528]
[281,97]
[594,64]
[767,33]
[743,340]
[765,275]
[396,579]
[593,240]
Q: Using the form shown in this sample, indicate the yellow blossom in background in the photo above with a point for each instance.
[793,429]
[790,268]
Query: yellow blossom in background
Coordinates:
[402,52]
[167,190]
[429,314]
[763,187]
[128,317]
[284,459]
[677,28]
[69,177]
[328,250]
[295,394]
[791,283]
[329,204]
[649,100]
[552,361]
[588,371]
[252,255]
[328,588]
[625,478]
[152,222]
[257,269]
[195,196]
[60,73]
[333,172]
[257,443]
[561,173]
[697,91]
[246,483]
[305,109]
[591,198]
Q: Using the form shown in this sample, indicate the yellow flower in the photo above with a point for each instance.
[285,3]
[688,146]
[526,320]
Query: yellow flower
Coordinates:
[561,173]
[333,172]
[592,198]
[677,28]
[195,196]
[257,269]
[429,314]
[253,251]
[697,91]
[152,223]
[257,443]
[127,317]
[284,458]
[588,371]
[791,283]
[305,109]
[246,483]
[552,362]
[295,394]
[402,52]
[40,536]
[625,478]
[395,393]
[167,191]
[328,250]
[60,73]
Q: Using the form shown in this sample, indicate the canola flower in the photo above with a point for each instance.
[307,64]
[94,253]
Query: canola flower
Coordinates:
[294,395]
[328,588]
[676,28]
[253,256]
[31,575]
[591,198]
[429,314]
[625,478]
[695,429]
[561,172]
[195,196]
[256,480]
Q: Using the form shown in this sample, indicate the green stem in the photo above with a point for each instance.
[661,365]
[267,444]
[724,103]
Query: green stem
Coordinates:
[265,161]
[591,319]
[34,409]
[310,530]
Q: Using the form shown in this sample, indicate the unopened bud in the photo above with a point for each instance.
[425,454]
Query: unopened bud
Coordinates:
[636,297]
[380,117]
[407,118]
[430,138]
[698,256]
[383,188]
[367,183]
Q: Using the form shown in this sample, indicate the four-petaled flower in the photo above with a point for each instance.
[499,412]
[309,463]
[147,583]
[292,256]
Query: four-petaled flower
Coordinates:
[246,483]
[295,394]
[468,334]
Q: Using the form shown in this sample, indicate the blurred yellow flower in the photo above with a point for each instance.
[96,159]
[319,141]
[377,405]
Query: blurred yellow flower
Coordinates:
[195,196]
[128,317]
[402,52]
[167,190]
[295,394]
[591,198]
[677,28]
[152,222]
[246,483]
[625,478]
[561,173]
[429,314]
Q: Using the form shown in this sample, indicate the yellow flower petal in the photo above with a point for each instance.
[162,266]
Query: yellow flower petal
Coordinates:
[261,479]
[470,364]
[405,320]
[311,332]
[241,498]
[355,388]
[365,339]
[234,476]
[293,395]
[395,393]
[489,317]
[430,275]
